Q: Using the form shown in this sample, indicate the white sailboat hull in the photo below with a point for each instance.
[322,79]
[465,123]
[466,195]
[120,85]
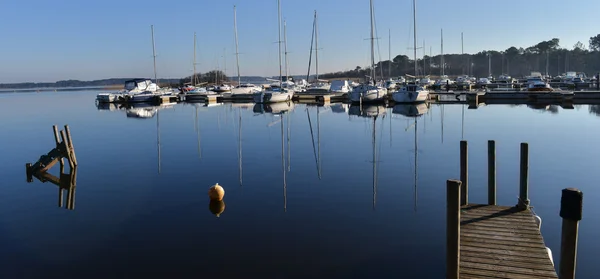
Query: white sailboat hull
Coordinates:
[370,95]
[410,96]
[273,96]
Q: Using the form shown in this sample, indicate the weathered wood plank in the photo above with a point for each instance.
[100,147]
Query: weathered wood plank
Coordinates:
[532,271]
[502,242]
[508,262]
[514,251]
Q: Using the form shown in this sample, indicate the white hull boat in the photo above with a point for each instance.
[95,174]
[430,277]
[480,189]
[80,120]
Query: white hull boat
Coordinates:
[368,93]
[410,94]
[273,96]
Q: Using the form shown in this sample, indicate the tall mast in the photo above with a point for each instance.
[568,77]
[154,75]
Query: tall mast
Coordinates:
[390,53]
[372,44]
[442,63]
[415,35]
[285,50]
[462,51]
[193,79]
[316,46]
[237,53]
[154,53]
[279,40]
[424,53]
[489,64]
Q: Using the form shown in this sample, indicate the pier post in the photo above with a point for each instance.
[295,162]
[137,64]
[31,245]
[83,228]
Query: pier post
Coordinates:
[524,180]
[464,173]
[28,172]
[491,172]
[453,192]
[571,205]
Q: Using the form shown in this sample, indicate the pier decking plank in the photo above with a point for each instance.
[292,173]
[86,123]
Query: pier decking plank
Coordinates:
[502,242]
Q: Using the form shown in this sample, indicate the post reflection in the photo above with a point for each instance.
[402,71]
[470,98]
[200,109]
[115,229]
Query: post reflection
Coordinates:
[66,182]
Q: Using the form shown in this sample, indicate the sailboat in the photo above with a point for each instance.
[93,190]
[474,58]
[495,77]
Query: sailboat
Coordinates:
[195,92]
[241,90]
[318,86]
[369,91]
[276,94]
[412,93]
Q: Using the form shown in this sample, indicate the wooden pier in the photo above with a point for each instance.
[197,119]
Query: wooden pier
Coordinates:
[491,241]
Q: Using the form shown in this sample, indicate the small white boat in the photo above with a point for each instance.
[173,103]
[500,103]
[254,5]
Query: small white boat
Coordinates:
[132,87]
[539,86]
[222,88]
[246,88]
[368,93]
[340,86]
[274,95]
[411,93]
[390,84]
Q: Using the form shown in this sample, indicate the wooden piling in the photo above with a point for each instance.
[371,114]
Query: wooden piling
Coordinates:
[453,199]
[464,173]
[67,150]
[491,172]
[524,177]
[28,172]
[571,205]
[70,144]
[57,140]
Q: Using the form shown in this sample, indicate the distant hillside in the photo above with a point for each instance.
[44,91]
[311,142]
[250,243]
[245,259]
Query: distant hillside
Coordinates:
[74,83]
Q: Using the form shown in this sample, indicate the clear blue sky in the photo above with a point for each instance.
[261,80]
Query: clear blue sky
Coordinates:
[74,39]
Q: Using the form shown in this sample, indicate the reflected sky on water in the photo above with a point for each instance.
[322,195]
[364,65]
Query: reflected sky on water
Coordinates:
[331,191]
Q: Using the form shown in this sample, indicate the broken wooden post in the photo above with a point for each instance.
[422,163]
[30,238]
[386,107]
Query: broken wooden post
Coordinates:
[64,149]
[70,145]
[571,207]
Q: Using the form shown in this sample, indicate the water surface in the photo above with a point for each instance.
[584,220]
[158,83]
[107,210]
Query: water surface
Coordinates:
[319,192]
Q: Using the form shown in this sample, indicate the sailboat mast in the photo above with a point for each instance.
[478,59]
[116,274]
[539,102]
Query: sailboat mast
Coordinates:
[462,51]
[316,46]
[442,63]
[372,44]
[154,53]
[237,53]
[390,53]
[285,50]
[279,40]
[193,79]
[415,36]
[424,57]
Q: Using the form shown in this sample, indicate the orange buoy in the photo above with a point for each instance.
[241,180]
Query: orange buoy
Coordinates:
[216,192]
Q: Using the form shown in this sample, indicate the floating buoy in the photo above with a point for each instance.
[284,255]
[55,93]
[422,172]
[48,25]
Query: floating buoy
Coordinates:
[216,192]
[216,207]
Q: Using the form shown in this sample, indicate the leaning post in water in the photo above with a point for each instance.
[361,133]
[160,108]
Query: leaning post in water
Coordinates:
[571,207]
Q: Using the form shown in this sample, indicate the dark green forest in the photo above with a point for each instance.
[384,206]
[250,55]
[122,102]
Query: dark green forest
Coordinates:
[545,57]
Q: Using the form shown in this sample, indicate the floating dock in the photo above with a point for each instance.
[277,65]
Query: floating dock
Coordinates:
[491,241]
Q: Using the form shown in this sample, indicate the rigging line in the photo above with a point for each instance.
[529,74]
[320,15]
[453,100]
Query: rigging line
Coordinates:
[378,48]
[313,140]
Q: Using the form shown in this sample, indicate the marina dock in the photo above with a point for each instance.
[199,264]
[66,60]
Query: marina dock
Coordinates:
[491,241]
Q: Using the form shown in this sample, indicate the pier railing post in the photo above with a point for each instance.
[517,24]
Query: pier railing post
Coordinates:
[571,205]
[453,228]
[524,177]
[464,173]
[491,172]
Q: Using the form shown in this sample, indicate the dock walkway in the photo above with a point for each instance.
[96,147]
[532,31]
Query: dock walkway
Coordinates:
[502,242]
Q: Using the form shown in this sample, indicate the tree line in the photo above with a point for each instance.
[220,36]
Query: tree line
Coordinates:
[546,57]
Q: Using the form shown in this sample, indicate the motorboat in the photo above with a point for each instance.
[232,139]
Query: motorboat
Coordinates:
[142,88]
[273,95]
[222,88]
[368,92]
[245,89]
[340,86]
[411,93]
[390,84]
[537,86]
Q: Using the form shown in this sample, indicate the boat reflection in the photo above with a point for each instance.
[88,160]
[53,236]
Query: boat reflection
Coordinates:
[373,112]
[544,107]
[410,110]
[274,108]
[108,106]
[66,182]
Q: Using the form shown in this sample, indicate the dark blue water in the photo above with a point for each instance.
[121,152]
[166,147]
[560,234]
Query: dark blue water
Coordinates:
[341,207]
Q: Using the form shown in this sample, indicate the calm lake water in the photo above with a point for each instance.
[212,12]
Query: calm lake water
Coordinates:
[312,195]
